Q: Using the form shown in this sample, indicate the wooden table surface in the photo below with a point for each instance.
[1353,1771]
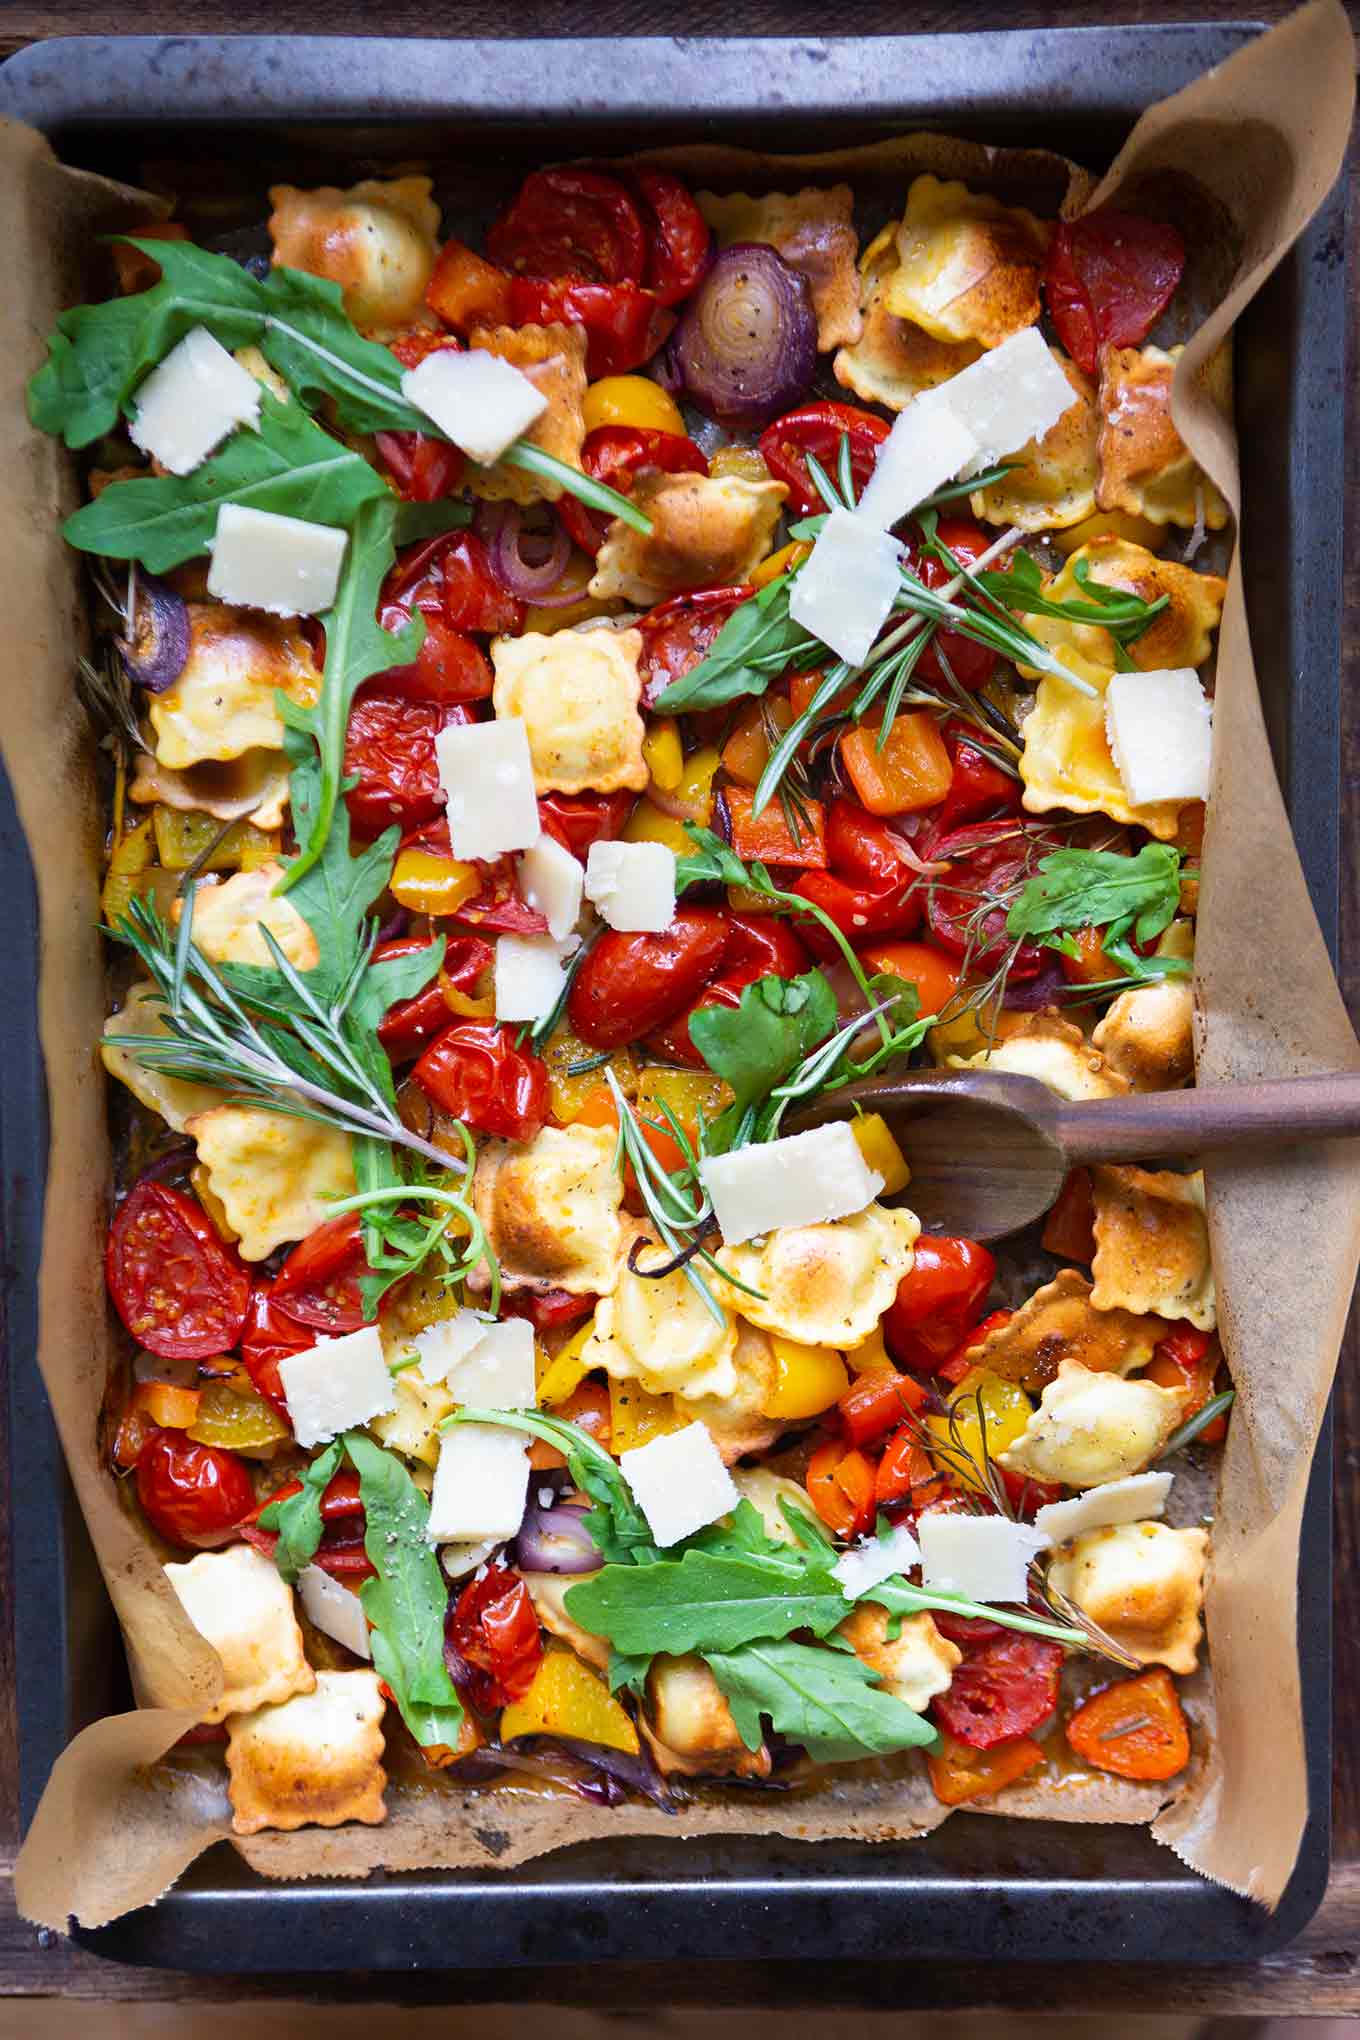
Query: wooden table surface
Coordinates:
[1320,1972]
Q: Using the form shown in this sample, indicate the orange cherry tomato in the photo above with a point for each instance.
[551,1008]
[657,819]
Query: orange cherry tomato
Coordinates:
[1135,1728]
[935,975]
[959,1772]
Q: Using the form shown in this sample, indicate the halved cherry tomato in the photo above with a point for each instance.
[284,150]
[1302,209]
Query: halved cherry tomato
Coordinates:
[448,581]
[817,429]
[389,749]
[1003,1688]
[181,1293]
[270,1335]
[624,324]
[571,222]
[1109,278]
[971,664]
[1069,1229]
[935,977]
[341,1550]
[423,470]
[493,1635]
[616,455]
[409,1024]
[473,598]
[679,633]
[465,290]
[967,1631]
[475,1072]
[1189,1358]
[958,1773]
[986,857]
[841,1486]
[448,670]
[977,788]
[757,946]
[1135,1728]
[192,1494]
[936,1300]
[549,1310]
[318,1284]
[629,984]
[772,837]
[579,819]
[877,1402]
[870,889]
[678,239]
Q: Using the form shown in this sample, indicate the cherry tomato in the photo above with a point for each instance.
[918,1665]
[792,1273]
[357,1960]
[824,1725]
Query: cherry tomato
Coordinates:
[318,1284]
[758,945]
[971,664]
[678,633]
[449,667]
[270,1335]
[629,984]
[549,1310]
[389,748]
[475,1072]
[577,820]
[624,324]
[409,1024]
[937,1299]
[959,1773]
[678,240]
[341,1550]
[986,857]
[1135,1728]
[977,788]
[492,1633]
[818,429]
[870,889]
[181,1293]
[1109,278]
[499,908]
[967,1631]
[840,1484]
[192,1494]
[1189,1358]
[569,222]
[1004,1688]
[473,598]
[423,470]
[935,977]
[616,455]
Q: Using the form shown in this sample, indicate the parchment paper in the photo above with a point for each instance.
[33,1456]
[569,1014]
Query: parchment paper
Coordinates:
[1266,135]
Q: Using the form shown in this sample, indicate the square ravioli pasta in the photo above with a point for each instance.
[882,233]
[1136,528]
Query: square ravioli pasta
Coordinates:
[504,1362]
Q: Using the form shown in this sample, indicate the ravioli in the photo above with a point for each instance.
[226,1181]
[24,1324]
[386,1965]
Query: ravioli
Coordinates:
[176,1100]
[1053,482]
[253,787]
[378,241]
[222,705]
[551,1209]
[893,360]
[823,1285]
[1152,1244]
[554,360]
[968,267]
[577,692]
[276,1177]
[1147,1035]
[690,1728]
[707,532]
[1091,1428]
[316,1761]
[240,1603]
[1060,1323]
[814,232]
[1057,1053]
[914,1665]
[1179,635]
[659,1331]
[1145,466]
[230,916]
[548,1592]
[1143,1584]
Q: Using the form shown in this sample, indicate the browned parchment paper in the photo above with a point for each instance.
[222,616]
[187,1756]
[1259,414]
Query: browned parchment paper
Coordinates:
[1266,135]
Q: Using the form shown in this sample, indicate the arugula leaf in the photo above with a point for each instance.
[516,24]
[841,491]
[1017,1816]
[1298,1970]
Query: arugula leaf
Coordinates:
[755,1044]
[617,1525]
[824,1699]
[758,642]
[1020,588]
[707,1601]
[407,1602]
[1100,888]
[901,1598]
[427,520]
[297,1518]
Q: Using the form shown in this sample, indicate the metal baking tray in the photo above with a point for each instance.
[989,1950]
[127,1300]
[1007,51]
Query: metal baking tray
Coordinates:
[981,1888]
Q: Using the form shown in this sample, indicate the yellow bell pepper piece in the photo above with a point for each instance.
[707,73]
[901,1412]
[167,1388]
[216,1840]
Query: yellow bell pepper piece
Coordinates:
[567,1094]
[871,1357]
[661,749]
[430,884]
[972,1031]
[875,1142]
[183,837]
[635,1417]
[631,400]
[808,1380]
[132,873]
[545,621]
[782,562]
[695,790]
[742,461]
[242,1422]
[980,1395]
[559,1378]
[744,899]
[568,1698]
[692,1095]
[647,824]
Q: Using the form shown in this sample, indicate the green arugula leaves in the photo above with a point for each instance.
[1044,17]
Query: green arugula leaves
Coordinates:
[827,1700]
[1134,899]
[297,1518]
[616,1524]
[762,1040]
[758,642]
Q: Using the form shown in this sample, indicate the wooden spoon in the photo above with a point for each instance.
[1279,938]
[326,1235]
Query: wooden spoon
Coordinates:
[989,1151]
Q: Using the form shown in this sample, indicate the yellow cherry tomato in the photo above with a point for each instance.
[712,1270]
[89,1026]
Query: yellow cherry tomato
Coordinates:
[242,1422]
[567,1698]
[880,1151]
[980,1397]
[647,824]
[631,400]
[430,884]
[661,750]
[808,1379]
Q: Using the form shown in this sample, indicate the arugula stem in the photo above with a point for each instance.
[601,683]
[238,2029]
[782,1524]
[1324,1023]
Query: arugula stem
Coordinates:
[479,1247]
[597,495]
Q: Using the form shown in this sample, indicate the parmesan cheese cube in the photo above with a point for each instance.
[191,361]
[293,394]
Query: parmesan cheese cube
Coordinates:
[875,1559]
[804,1179]
[1158,726]
[441,1346]
[984,1558]
[1131,1500]
[192,402]
[551,880]
[334,1610]
[843,592]
[498,1372]
[530,976]
[679,1482]
[1016,392]
[281,564]
[926,448]
[336,1384]
[482,403]
[481,1483]
[632,885]
[488,781]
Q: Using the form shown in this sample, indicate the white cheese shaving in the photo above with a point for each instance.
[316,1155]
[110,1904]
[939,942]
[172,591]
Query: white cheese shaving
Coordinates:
[1159,730]
[488,781]
[984,1558]
[1131,1500]
[498,1373]
[482,403]
[1014,393]
[481,1484]
[679,1482]
[530,975]
[336,1384]
[804,1179]
[632,885]
[334,1610]
[926,448]
[441,1346]
[189,405]
[875,1559]
[285,565]
[843,592]
[552,880]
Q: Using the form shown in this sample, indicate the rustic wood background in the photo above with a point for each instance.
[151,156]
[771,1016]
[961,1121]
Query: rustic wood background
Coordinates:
[1320,1973]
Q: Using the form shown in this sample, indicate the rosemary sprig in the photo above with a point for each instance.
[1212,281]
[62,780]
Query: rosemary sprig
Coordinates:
[1187,1432]
[673,1209]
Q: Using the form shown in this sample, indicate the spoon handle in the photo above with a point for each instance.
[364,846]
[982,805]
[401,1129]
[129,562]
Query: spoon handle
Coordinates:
[1221,1115]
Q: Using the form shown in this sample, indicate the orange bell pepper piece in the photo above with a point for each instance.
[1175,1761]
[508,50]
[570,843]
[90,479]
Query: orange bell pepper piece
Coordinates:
[466,290]
[588,1407]
[913,770]
[1069,1229]
[1135,1728]
[959,1772]
[768,836]
[841,1485]
[906,1468]
[1090,965]
[1189,1358]
[802,687]
[877,1402]
[747,751]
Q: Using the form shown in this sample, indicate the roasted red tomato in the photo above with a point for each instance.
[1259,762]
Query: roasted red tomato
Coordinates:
[475,1072]
[270,1335]
[473,598]
[341,1550]
[423,470]
[1005,1687]
[629,984]
[579,819]
[1110,276]
[977,788]
[181,1293]
[758,945]
[492,1641]
[571,222]
[549,1310]
[192,1494]
[871,890]
[678,240]
[411,1023]
[616,455]
[937,1300]
[389,748]
[986,857]
[318,1284]
[624,324]
[449,667]
[678,633]
[971,664]
[818,429]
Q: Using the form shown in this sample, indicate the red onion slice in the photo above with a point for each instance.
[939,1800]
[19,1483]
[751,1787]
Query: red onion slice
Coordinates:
[555,1540]
[528,563]
[746,347]
[1045,988]
[155,653]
